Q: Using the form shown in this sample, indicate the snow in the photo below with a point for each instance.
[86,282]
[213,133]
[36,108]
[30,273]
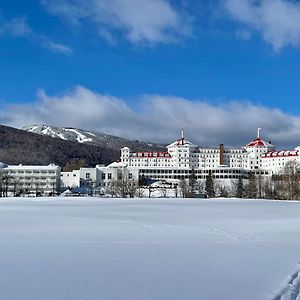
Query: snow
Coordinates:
[81,138]
[116,165]
[21,167]
[49,131]
[92,134]
[33,128]
[61,136]
[89,248]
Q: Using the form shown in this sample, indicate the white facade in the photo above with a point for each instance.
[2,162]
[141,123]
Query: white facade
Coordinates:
[85,177]
[115,171]
[275,161]
[183,158]
[99,177]
[183,154]
[70,179]
[30,179]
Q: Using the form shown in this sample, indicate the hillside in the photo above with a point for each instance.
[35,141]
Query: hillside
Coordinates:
[92,138]
[21,147]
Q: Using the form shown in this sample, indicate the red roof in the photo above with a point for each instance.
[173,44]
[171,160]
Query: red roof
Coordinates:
[150,155]
[278,154]
[181,142]
[259,143]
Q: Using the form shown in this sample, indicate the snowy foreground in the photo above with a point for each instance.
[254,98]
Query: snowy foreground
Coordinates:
[149,249]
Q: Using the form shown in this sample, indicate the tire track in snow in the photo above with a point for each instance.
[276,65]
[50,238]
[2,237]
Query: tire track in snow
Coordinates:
[292,289]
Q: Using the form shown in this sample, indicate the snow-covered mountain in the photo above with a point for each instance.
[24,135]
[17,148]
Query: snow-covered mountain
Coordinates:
[92,138]
[22,147]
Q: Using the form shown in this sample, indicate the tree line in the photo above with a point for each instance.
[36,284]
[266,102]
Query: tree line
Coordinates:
[285,186]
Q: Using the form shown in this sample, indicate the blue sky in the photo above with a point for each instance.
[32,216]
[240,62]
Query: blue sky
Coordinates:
[227,53]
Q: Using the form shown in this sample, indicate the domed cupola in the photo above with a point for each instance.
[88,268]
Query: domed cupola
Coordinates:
[181,142]
[260,143]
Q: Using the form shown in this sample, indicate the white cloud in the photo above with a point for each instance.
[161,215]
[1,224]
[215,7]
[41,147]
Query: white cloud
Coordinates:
[158,118]
[142,21]
[278,21]
[55,47]
[19,28]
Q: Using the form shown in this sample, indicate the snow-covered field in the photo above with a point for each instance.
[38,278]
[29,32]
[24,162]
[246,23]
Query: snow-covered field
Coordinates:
[149,249]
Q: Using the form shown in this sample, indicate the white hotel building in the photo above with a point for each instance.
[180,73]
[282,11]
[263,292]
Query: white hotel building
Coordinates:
[21,179]
[181,158]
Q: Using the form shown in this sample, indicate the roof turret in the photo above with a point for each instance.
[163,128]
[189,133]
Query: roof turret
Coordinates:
[181,142]
[259,142]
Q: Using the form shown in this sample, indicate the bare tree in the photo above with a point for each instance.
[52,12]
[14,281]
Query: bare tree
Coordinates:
[176,190]
[259,185]
[15,186]
[1,186]
[123,186]
[183,188]
[291,178]
[150,190]
[224,192]
[200,187]
[110,189]
[163,191]
[132,188]
[6,181]
[140,192]
[278,191]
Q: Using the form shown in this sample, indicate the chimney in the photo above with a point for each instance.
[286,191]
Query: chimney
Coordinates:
[221,154]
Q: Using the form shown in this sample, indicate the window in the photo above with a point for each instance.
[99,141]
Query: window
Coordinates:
[109,176]
[103,176]
[87,176]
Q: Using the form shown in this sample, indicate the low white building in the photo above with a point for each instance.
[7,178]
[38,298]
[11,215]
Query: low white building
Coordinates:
[70,179]
[98,177]
[20,179]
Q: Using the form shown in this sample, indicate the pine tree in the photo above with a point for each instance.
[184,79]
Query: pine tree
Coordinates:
[240,191]
[224,192]
[252,186]
[142,181]
[209,186]
[192,184]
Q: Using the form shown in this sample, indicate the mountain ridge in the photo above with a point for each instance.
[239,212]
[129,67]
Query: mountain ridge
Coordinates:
[21,147]
[92,138]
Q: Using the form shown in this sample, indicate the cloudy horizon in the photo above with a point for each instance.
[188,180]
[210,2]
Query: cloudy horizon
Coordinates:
[157,118]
